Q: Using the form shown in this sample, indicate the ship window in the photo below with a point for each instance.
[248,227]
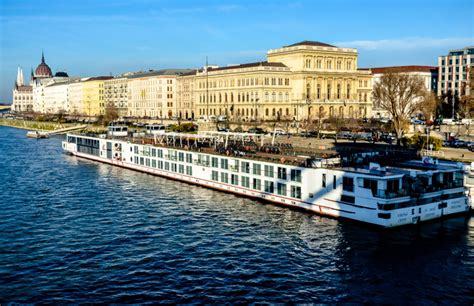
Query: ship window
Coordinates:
[257,169]
[160,153]
[142,161]
[189,158]
[181,169]
[334,182]
[281,189]
[282,173]
[370,184]
[189,170]
[268,171]
[135,150]
[269,187]
[348,184]
[215,162]
[147,162]
[224,177]
[136,160]
[160,164]
[173,167]
[215,175]
[324,180]
[153,152]
[245,181]
[246,167]
[181,156]
[295,175]
[167,166]
[348,199]
[296,192]
[224,163]
[257,184]
[153,163]
[234,179]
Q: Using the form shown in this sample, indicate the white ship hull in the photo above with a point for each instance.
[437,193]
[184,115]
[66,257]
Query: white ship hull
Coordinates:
[308,192]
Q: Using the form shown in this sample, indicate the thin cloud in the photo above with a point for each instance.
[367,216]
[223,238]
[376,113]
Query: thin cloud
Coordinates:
[408,43]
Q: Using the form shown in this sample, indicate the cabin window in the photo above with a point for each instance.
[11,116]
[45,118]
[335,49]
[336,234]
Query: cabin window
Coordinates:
[224,177]
[281,189]
[135,149]
[245,181]
[181,156]
[245,167]
[348,183]
[295,175]
[189,170]
[153,163]
[257,169]
[224,163]
[257,184]
[268,171]
[181,169]
[160,164]
[393,185]
[296,192]
[371,184]
[215,162]
[282,173]
[153,152]
[142,161]
[136,160]
[334,182]
[348,199]
[234,179]
[160,153]
[167,166]
[215,175]
[324,180]
[189,158]
[147,162]
[173,167]
[269,187]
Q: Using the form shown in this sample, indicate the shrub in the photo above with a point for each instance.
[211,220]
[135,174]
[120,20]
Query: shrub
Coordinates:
[418,141]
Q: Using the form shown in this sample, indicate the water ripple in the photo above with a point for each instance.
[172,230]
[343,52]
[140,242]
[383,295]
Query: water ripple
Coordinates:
[76,231]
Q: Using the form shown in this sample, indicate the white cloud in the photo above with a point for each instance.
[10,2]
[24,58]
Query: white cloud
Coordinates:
[410,43]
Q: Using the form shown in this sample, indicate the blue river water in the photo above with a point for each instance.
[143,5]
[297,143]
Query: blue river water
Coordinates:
[77,231]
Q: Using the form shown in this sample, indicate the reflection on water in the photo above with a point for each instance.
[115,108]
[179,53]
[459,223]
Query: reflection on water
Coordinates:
[78,231]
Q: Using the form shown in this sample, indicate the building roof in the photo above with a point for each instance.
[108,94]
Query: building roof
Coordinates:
[310,43]
[24,88]
[61,74]
[99,78]
[43,69]
[410,68]
[172,72]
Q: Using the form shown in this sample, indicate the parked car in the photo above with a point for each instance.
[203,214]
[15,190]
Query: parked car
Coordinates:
[256,131]
[471,147]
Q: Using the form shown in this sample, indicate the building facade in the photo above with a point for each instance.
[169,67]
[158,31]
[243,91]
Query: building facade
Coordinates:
[429,75]
[307,80]
[56,98]
[22,94]
[454,72]
[93,102]
[116,94]
[153,93]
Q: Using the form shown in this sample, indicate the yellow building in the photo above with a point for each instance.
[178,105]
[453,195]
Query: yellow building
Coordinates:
[93,96]
[305,80]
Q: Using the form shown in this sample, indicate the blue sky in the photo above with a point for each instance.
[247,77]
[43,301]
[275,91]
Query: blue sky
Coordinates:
[98,37]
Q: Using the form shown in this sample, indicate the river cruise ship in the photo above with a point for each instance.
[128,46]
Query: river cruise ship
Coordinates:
[381,188]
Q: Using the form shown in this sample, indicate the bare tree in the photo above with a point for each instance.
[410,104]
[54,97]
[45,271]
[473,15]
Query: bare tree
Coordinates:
[111,113]
[401,95]
[429,105]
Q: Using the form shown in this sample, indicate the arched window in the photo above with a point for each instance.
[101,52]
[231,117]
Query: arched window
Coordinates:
[331,111]
[365,97]
[280,97]
[231,97]
[273,112]
[287,111]
[266,112]
[266,97]
[287,97]
[351,111]
[308,91]
[273,97]
[341,112]
[318,91]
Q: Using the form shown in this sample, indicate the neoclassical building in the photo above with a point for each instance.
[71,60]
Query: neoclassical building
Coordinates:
[300,81]
[22,94]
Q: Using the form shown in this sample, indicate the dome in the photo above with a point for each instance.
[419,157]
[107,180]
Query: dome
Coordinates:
[61,74]
[43,70]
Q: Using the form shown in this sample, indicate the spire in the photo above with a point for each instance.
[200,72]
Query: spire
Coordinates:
[32,76]
[42,57]
[19,77]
